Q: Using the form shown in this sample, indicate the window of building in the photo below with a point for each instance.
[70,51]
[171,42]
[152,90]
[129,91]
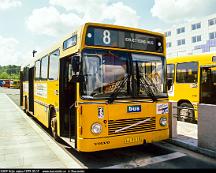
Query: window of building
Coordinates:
[196,38]
[169,44]
[44,68]
[196,26]
[168,33]
[187,72]
[212,22]
[180,42]
[54,65]
[37,70]
[180,30]
[212,35]
[197,51]
[213,49]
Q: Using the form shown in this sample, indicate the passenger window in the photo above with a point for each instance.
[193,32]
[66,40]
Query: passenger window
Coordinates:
[25,76]
[187,72]
[37,70]
[44,68]
[214,76]
[54,65]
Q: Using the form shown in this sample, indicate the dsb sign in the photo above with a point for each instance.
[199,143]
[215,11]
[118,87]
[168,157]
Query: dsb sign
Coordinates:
[136,108]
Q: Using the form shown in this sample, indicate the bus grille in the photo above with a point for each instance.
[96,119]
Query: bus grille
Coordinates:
[147,126]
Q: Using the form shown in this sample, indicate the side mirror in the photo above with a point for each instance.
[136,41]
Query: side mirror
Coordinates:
[75,61]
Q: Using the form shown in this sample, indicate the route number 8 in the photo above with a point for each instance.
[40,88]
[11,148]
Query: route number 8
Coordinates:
[106,37]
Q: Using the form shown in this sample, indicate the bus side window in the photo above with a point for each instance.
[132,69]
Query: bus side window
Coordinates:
[44,68]
[37,70]
[214,76]
[187,72]
[54,65]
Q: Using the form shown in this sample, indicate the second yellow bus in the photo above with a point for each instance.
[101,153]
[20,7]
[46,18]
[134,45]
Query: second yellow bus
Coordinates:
[191,80]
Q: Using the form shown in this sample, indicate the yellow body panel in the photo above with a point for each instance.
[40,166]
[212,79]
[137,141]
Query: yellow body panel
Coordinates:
[189,91]
[88,114]
[115,111]
[45,95]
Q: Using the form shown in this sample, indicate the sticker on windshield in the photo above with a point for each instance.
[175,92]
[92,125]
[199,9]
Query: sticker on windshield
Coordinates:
[162,108]
[100,112]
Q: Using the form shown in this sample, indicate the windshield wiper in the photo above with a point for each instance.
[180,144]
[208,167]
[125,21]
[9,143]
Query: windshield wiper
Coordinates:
[148,89]
[145,84]
[118,89]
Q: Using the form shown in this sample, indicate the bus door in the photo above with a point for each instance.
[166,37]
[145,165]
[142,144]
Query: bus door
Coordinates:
[208,85]
[170,79]
[21,88]
[67,100]
[31,89]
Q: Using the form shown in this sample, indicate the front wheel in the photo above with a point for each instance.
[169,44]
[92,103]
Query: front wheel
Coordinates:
[54,127]
[186,114]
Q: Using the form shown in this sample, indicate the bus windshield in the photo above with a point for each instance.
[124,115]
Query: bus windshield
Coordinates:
[106,72]
[149,75]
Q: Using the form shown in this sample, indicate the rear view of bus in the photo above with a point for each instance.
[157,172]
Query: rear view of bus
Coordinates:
[121,97]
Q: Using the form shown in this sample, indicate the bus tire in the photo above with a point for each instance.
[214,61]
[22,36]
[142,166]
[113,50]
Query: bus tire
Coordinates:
[53,124]
[186,115]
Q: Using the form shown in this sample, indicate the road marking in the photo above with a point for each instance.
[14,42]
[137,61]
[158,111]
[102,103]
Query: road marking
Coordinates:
[141,162]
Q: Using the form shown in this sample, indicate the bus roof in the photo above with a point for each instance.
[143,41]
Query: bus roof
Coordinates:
[203,58]
[79,30]
[124,28]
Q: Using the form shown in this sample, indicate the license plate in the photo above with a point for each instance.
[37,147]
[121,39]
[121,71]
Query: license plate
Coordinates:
[133,140]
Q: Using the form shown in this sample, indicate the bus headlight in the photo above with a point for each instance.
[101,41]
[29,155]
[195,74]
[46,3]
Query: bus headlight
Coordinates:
[96,128]
[163,121]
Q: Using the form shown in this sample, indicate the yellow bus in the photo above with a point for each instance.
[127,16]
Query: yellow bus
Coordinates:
[15,84]
[191,80]
[101,87]
[24,89]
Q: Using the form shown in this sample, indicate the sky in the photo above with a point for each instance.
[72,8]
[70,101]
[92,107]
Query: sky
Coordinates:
[27,25]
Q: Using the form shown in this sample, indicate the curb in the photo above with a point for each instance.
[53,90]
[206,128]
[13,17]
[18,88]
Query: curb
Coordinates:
[69,162]
[197,149]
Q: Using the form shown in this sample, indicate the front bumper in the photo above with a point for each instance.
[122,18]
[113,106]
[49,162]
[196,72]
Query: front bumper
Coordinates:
[98,144]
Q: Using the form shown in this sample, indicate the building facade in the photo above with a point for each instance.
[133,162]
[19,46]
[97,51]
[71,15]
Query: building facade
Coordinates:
[196,37]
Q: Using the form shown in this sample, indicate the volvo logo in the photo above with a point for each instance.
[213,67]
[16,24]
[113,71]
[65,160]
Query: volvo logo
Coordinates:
[102,143]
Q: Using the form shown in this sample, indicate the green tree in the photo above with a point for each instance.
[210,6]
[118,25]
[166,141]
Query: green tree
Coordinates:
[4,75]
[9,72]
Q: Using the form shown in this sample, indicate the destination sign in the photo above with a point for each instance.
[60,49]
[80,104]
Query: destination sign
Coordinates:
[96,36]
